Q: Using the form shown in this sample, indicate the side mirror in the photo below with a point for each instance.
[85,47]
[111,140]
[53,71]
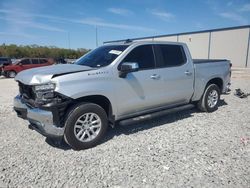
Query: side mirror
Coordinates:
[128,67]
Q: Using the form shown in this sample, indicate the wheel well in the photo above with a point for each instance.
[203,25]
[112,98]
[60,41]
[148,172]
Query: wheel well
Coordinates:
[10,71]
[217,81]
[6,73]
[99,100]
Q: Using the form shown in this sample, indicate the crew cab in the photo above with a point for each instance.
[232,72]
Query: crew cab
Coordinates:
[117,83]
[11,70]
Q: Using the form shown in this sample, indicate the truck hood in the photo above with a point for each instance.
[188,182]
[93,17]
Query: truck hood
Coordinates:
[44,74]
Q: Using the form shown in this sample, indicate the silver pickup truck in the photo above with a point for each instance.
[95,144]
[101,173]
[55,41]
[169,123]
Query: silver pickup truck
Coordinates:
[117,83]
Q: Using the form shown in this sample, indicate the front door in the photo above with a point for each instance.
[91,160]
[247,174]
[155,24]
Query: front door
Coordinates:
[139,90]
[25,64]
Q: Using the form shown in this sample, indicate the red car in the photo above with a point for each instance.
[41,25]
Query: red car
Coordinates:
[10,71]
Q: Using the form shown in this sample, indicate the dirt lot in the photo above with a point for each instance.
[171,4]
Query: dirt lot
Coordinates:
[186,149]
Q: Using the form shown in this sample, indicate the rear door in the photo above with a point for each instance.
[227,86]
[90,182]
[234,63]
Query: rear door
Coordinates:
[176,72]
[35,62]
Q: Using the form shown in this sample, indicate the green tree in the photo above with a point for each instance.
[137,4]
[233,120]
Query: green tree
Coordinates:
[14,51]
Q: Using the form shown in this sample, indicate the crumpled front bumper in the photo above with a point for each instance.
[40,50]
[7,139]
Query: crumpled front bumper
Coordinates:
[41,120]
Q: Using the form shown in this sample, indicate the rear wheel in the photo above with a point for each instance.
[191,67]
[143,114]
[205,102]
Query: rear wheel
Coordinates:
[85,126]
[209,100]
[11,74]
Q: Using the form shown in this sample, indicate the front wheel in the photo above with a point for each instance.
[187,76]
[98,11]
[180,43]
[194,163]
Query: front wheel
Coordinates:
[11,74]
[209,100]
[85,126]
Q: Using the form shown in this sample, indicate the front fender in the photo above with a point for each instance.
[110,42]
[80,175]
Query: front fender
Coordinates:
[84,84]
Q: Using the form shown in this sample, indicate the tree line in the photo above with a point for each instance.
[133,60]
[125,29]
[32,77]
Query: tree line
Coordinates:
[20,51]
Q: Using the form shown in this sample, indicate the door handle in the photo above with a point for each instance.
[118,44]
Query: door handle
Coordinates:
[188,73]
[155,77]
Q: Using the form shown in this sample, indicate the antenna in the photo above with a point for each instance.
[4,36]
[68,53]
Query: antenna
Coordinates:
[128,41]
[96,36]
[69,39]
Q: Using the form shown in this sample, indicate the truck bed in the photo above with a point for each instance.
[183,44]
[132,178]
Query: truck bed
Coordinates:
[207,69]
[198,61]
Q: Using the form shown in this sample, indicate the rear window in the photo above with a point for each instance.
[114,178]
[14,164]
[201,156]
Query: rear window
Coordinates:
[169,55]
[35,61]
[42,61]
[3,59]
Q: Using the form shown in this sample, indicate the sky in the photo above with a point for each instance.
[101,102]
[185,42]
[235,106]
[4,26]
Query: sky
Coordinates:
[73,23]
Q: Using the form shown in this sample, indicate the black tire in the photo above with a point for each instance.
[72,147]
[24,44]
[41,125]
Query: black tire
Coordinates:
[203,104]
[77,112]
[11,74]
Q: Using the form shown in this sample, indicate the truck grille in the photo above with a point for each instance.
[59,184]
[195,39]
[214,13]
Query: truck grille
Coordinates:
[26,91]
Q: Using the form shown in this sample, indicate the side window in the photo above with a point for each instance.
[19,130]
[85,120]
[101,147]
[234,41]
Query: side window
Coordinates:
[3,59]
[143,55]
[169,55]
[35,61]
[42,61]
[25,61]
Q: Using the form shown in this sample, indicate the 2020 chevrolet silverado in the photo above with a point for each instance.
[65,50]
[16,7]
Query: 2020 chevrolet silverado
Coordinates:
[120,82]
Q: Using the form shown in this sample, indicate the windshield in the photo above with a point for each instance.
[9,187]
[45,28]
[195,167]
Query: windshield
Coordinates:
[101,56]
[16,62]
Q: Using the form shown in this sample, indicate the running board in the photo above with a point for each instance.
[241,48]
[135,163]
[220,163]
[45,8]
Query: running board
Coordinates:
[155,114]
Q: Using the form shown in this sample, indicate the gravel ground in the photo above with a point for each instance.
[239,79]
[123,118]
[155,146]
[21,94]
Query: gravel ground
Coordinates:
[186,149]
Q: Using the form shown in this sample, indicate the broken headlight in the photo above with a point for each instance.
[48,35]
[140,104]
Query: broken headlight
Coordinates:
[44,93]
[45,87]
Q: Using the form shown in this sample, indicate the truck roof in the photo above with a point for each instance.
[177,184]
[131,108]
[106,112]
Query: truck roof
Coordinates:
[130,42]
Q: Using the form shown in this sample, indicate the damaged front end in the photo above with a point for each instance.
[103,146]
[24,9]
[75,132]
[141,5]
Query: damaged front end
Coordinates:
[43,107]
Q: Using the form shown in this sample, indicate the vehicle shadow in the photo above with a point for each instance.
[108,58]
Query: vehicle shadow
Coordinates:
[137,126]
[5,78]
[148,124]
[222,102]
[58,143]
